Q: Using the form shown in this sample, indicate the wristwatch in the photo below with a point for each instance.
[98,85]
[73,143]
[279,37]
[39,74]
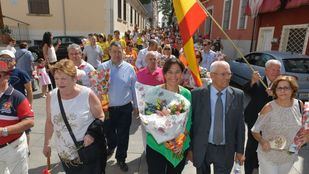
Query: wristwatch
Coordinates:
[4,132]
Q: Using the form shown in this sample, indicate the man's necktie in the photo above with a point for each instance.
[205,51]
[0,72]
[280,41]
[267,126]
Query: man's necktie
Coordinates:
[218,124]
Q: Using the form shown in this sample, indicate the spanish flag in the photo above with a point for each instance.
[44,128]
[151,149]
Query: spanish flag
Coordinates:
[189,15]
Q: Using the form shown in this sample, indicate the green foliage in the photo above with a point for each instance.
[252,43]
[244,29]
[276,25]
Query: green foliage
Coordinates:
[167,9]
[5,30]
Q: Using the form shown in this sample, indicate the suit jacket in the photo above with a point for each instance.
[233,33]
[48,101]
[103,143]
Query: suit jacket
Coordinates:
[201,122]
[259,98]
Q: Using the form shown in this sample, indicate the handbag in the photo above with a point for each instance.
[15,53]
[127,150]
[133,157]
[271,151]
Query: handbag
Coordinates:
[86,154]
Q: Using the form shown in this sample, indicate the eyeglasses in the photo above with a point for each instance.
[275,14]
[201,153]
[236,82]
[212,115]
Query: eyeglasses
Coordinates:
[286,88]
[223,74]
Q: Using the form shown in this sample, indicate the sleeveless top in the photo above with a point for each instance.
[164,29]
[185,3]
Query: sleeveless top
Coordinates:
[79,117]
[51,53]
[284,121]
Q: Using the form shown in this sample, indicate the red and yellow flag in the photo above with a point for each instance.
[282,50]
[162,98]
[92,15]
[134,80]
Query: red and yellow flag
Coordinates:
[189,15]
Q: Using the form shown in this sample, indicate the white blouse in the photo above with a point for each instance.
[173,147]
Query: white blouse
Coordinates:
[280,121]
[79,117]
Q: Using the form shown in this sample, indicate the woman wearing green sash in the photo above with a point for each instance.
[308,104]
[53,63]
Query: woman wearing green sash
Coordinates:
[170,157]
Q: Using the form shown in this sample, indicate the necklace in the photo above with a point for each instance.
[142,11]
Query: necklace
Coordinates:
[177,91]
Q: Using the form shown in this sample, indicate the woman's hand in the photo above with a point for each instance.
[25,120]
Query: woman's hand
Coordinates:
[178,149]
[265,145]
[47,151]
[304,138]
[88,139]
[59,42]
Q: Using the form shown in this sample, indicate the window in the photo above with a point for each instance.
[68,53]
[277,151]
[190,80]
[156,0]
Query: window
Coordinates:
[137,19]
[296,65]
[38,6]
[119,9]
[135,16]
[258,59]
[227,14]
[124,10]
[208,23]
[242,18]
[294,38]
[131,15]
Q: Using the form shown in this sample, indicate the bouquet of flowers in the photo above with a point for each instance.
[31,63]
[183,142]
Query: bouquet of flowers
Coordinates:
[163,113]
[99,82]
[297,142]
[277,142]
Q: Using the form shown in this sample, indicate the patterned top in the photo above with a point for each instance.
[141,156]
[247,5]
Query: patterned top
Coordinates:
[14,107]
[79,117]
[280,121]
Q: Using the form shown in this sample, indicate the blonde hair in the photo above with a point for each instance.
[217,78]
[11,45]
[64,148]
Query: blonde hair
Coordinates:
[66,66]
[290,79]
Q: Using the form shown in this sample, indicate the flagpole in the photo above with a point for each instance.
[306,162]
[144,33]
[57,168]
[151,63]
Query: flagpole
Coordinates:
[229,39]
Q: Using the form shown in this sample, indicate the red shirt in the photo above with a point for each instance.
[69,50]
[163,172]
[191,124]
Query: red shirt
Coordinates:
[14,107]
[146,77]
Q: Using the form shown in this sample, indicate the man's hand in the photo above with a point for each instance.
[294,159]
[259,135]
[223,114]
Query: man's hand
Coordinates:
[135,113]
[240,158]
[255,77]
[190,156]
[269,92]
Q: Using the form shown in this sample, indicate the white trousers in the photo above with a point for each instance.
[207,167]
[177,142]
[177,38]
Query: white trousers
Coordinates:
[266,166]
[14,157]
[144,136]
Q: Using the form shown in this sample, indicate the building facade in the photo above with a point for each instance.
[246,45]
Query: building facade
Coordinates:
[276,27]
[29,19]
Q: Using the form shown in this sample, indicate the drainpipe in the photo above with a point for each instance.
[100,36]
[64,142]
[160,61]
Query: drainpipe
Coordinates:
[111,17]
[254,33]
[64,20]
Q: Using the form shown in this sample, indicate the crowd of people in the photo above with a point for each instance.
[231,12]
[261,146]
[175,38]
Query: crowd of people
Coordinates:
[86,133]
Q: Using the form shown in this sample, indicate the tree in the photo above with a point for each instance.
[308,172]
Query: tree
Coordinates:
[167,9]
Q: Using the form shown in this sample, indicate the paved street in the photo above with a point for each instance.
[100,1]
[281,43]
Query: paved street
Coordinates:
[136,158]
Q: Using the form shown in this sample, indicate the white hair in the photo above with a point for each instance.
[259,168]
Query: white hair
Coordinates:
[152,53]
[215,64]
[272,62]
[74,46]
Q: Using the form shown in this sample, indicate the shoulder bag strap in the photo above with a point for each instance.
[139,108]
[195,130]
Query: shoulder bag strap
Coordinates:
[17,58]
[299,105]
[64,117]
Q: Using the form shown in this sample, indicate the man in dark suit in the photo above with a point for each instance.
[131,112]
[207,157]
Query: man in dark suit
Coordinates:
[259,97]
[218,123]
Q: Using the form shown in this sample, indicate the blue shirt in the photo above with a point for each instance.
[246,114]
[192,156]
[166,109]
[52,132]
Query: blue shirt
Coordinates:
[18,79]
[24,61]
[208,58]
[213,100]
[122,83]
